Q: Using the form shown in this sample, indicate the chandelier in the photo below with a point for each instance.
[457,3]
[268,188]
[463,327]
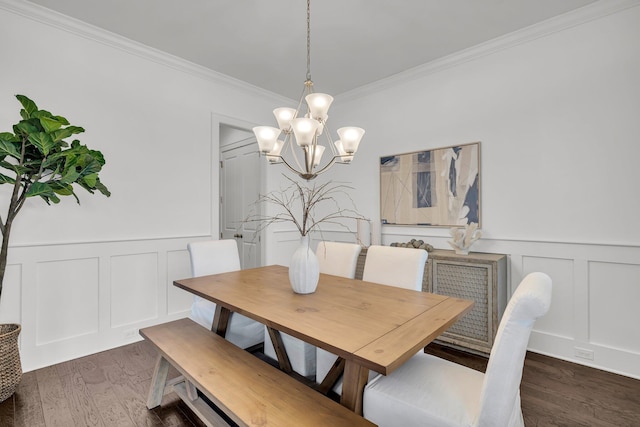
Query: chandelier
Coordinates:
[302,129]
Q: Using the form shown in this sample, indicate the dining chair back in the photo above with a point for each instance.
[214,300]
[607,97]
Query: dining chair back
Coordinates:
[395,266]
[214,257]
[428,390]
[337,259]
[387,265]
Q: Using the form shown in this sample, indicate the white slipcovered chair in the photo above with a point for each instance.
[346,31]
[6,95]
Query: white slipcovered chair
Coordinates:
[335,258]
[387,265]
[395,266]
[338,259]
[213,257]
[430,391]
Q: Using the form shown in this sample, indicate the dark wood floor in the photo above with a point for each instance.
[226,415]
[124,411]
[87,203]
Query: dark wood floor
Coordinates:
[109,389]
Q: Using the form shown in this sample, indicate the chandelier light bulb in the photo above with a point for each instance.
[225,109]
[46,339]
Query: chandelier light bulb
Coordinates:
[319,104]
[273,156]
[317,155]
[284,116]
[344,158]
[350,137]
[267,137]
[304,130]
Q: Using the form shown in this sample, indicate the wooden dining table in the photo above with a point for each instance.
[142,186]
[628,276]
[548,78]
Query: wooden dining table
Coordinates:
[370,326]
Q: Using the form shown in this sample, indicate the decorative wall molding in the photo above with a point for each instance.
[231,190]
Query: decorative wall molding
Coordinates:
[593,317]
[562,22]
[588,281]
[80,28]
[79,299]
[443,233]
[85,30]
[593,311]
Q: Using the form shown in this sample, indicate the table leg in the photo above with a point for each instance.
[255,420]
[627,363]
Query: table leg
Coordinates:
[281,352]
[221,319]
[332,376]
[354,380]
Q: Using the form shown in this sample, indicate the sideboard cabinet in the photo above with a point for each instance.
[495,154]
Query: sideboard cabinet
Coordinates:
[480,277]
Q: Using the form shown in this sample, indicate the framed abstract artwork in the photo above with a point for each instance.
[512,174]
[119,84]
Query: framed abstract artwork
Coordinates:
[439,187]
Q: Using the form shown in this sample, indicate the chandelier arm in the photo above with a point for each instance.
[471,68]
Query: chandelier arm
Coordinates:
[305,90]
[291,168]
[327,135]
[309,156]
[295,157]
[328,165]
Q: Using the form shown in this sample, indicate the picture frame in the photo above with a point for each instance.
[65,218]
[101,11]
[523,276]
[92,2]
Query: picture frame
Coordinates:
[439,187]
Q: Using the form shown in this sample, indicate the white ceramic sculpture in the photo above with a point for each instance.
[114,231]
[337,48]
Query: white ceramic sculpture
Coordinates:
[463,238]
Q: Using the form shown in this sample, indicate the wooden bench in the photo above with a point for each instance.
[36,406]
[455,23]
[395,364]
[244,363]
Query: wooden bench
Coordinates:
[246,389]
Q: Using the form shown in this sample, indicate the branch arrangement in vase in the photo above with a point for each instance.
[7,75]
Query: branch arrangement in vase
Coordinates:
[308,208]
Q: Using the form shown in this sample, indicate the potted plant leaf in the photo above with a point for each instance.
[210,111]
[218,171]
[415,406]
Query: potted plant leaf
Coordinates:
[36,161]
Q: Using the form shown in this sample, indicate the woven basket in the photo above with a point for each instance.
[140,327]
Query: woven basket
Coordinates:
[10,367]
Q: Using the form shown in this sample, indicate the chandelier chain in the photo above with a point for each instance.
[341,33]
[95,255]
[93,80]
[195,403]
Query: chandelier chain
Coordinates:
[308,40]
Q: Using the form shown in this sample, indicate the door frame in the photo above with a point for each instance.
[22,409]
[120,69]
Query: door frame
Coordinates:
[217,121]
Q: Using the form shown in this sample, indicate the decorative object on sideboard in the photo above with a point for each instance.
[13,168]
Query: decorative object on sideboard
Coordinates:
[37,161]
[463,238]
[413,243]
[305,128]
[308,208]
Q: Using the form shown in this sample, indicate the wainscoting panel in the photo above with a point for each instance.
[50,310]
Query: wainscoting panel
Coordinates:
[594,313]
[592,320]
[134,288]
[559,319]
[10,303]
[81,298]
[614,293]
[59,319]
[177,268]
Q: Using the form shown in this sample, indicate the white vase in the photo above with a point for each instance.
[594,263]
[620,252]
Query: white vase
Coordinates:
[304,270]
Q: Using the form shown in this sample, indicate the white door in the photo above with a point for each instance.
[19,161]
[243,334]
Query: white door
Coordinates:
[239,190]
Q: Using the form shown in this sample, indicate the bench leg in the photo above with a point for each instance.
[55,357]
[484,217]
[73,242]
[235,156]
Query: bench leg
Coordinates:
[158,382]
[192,392]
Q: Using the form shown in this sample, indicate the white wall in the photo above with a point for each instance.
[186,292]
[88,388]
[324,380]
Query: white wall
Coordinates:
[84,278]
[556,111]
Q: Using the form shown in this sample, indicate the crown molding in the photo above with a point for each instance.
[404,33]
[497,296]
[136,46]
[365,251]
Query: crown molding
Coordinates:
[550,26]
[74,26]
[85,30]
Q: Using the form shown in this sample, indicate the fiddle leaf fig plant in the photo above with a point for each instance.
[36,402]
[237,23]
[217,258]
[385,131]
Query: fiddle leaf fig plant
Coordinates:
[36,161]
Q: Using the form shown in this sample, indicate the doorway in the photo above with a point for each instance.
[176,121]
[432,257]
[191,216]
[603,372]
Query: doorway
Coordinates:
[239,190]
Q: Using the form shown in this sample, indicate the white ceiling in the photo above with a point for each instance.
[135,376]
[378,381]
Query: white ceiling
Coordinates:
[354,42]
